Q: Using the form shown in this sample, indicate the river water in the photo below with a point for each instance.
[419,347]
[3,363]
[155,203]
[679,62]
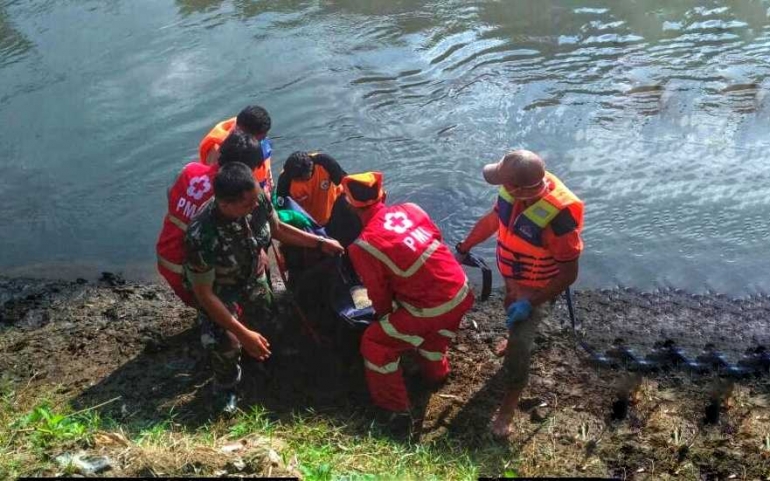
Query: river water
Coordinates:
[656,113]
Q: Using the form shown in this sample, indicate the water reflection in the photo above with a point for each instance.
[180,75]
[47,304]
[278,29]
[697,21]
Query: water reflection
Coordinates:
[189,7]
[13,44]
[654,112]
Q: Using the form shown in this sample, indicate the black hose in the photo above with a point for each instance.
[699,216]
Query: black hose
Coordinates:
[669,355]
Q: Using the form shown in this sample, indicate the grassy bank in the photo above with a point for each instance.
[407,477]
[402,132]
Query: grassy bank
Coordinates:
[35,429]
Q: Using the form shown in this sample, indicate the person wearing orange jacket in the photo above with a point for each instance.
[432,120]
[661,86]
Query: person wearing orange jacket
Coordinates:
[313,180]
[538,222]
[253,120]
[417,288]
[190,191]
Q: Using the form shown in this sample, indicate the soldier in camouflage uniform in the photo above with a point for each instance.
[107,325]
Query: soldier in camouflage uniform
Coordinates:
[226,246]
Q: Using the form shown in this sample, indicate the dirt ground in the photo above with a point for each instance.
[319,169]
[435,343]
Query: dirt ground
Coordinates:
[94,342]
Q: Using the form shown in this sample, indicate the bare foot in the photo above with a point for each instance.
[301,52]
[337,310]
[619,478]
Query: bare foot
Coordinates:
[501,427]
[501,347]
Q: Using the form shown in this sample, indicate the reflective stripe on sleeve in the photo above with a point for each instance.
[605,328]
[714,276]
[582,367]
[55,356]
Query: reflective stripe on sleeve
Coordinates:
[201,278]
[175,268]
[438,310]
[386,369]
[177,222]
[379,255]
[391,331]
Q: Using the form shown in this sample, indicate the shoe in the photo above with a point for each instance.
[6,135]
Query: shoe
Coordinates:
[397,424]
[435,386]
[231,403]
[226,402]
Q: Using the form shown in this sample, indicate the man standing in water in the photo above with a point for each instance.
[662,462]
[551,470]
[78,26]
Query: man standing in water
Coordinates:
[538,223]
[226,265]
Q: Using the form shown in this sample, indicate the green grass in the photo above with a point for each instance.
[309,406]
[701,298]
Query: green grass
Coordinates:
[46,427]
[324,448]
[255,420]
[354,450]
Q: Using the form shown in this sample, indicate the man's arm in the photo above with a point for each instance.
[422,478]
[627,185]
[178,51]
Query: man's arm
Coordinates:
[332,167]
[254,343]
[293,236]
[200,271]
[269,178]
[485,228]
[568,273]
[374,278]
[565,243]
[284,185]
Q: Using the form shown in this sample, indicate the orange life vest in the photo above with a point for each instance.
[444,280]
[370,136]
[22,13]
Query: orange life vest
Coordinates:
[317,194]
[521,253]
[218,134]
[192,189]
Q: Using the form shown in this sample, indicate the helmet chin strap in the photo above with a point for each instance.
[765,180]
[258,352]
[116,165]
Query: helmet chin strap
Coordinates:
[539,193]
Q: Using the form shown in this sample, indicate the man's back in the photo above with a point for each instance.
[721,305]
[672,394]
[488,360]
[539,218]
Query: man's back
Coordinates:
[186,197]
[406,246]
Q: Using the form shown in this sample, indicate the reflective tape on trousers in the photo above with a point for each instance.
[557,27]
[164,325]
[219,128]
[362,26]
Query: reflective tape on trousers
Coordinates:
[391,331]
[386,369]
[431,355]
[438,310]
[447,333]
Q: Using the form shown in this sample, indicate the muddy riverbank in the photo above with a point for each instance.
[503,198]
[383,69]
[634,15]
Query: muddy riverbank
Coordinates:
[92,342]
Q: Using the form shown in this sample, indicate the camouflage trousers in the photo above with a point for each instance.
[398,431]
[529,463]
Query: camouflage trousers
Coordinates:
[255,309]
[521,340]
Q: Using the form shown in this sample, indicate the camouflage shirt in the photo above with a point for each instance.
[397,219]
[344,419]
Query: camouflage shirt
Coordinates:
[227,253]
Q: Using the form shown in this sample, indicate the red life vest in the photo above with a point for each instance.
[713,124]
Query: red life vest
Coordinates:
[192,189]
[521,253]
[426,280]
[217,135]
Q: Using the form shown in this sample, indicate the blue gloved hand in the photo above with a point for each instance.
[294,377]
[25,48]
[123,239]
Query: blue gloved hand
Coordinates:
[518,311]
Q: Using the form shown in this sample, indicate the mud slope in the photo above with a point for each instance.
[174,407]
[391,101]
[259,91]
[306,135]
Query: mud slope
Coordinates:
[95,342]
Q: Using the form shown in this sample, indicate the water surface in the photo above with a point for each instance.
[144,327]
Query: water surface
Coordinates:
[655,113]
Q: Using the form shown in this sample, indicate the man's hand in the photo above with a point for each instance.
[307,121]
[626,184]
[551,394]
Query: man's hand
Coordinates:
[518,311]
[255,345]
[460,252]
[332,247]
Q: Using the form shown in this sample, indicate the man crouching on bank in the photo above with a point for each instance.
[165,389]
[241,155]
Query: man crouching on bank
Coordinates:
[226,246]
[418,290]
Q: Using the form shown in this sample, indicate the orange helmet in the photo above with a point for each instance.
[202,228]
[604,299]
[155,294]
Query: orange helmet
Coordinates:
[364,189]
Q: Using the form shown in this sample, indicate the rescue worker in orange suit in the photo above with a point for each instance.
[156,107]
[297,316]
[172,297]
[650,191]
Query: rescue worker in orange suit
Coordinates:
[253,120]
[538,222]
[313,181]
[190,191]
[417,288]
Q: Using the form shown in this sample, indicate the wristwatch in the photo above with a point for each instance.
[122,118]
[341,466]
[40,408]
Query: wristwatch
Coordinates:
[320,244]
[457,248]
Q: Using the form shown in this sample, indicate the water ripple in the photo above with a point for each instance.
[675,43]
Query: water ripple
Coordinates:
[655,113]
